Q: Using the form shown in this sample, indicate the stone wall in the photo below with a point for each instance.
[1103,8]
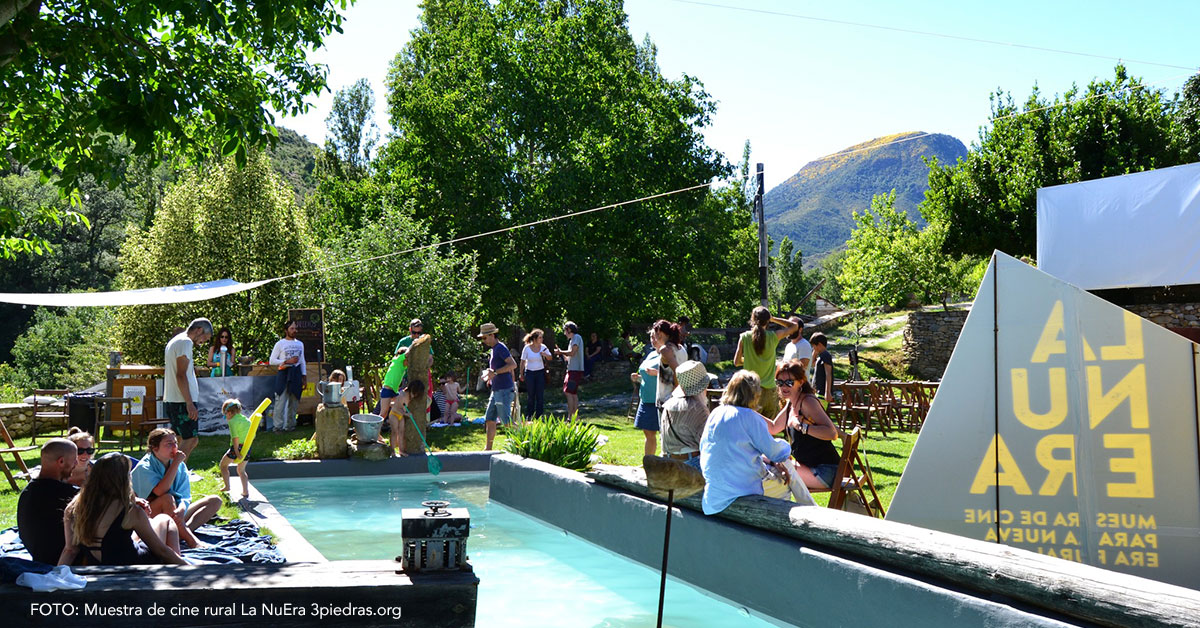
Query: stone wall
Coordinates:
[1169,314]
[929,339]
[18,418]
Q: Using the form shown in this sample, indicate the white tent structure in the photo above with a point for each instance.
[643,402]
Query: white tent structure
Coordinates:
[1136,230]
[1064,425]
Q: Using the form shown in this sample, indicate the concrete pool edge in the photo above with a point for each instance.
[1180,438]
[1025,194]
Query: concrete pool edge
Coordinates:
[864,589]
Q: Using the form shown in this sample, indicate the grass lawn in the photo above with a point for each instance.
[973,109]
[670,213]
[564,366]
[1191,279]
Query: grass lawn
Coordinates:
[886,456]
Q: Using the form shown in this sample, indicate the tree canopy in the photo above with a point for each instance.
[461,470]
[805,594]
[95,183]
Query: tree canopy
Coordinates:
[225,222]
[989,200]
[513,111]
[189,75]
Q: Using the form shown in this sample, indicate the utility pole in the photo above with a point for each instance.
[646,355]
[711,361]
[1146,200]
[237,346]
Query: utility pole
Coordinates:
[762,238]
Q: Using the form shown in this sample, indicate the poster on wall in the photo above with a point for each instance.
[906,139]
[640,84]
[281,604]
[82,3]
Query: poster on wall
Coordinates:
[215,390]
[136,395]
[1064,425]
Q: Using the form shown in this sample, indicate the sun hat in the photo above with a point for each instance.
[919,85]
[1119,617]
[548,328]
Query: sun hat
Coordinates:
[486,330]
[692,378]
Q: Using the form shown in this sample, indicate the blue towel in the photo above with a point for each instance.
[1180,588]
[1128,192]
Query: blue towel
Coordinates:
[291,380]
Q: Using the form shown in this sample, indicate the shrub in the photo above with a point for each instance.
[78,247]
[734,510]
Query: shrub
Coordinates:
[560,442]
[303,449]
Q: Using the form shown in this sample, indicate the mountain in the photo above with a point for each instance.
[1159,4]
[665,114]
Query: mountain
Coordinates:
[814,207]
[294,158]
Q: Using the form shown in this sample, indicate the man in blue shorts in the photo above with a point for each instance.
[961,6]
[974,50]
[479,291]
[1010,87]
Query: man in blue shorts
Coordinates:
[499,376]
[180,390]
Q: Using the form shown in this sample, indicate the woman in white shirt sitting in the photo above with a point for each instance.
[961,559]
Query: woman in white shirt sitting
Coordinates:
[533,373]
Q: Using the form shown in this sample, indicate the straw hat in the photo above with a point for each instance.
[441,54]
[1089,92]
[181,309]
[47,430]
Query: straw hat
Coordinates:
[692,378]
[487,329]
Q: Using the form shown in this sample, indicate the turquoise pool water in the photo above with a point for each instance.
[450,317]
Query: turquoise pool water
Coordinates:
[530,574]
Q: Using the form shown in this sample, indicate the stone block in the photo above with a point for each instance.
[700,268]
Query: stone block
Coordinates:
[332,423]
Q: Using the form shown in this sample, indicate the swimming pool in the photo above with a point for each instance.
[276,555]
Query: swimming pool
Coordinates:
[530,574]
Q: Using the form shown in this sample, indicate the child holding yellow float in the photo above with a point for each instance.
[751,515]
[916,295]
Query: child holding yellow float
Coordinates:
[239,428]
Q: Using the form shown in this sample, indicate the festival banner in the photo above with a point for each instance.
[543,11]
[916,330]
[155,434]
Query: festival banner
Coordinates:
[1064,425]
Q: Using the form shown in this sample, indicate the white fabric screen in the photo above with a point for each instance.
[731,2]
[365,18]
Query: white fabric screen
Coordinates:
[145,296]
[1136,230]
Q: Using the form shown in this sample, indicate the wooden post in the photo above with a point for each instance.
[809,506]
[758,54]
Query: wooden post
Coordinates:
[419,363]
[762,237]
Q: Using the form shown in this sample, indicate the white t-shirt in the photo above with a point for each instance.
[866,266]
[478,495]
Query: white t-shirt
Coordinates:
[533,359]
[799,350]
[180,346]
[285,349]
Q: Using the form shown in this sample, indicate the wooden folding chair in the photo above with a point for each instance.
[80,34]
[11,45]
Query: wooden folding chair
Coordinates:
[853,476]
[634,401]
[47,413]
[883,406]
[860,406]
[110,414]
[836,407]
[908,404]
[11,448]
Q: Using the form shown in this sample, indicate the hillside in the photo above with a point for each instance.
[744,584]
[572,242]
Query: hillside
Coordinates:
[814,207]
[294,159]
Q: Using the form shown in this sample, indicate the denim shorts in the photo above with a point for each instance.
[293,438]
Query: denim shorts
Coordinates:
[825,472]
[646,417]
[499,405]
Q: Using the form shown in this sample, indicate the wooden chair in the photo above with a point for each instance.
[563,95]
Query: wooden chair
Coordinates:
[883,406]
[860,407]
[44,413]
[110,414]
[12,449]
[908,404]
[853,476]
[836,407]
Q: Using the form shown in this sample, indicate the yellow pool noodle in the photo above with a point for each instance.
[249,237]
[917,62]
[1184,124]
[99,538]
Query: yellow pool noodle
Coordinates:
[255,419]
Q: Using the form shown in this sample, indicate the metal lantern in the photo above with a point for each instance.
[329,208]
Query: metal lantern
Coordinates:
[435,538]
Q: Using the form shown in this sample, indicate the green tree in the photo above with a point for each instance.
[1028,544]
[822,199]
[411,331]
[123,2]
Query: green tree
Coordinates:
[989,200]
[168,75]
[880,263]
[368,306]
[351,129]
[225,222]
[43,352]
[787,283]
[1188,119]
[513,111]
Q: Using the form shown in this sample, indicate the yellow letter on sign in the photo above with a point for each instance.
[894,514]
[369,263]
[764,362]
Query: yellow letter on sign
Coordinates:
[1009,475]
[1051,341]
[1132,349]
[1141,465]
[1058,399]
[1133,386]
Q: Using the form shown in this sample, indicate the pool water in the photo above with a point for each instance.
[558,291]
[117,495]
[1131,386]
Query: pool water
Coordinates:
[530,574]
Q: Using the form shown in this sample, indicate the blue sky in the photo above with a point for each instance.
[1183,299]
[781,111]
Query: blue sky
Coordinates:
[799,89]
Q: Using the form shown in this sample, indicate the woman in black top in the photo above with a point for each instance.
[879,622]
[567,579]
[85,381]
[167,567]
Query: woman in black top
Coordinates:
[100,521]
[809,429]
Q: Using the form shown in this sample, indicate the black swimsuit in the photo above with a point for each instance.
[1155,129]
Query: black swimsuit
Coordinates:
[117,546]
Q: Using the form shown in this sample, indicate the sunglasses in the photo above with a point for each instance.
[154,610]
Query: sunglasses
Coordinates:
[87,450]
[785,382]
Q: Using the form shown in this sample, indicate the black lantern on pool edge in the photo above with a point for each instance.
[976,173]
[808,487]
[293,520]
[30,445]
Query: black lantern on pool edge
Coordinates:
[434,537]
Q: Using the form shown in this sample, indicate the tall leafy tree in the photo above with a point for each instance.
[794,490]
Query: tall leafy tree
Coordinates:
[787,279]
[184,74]
[225,222]
[351,129]
[513,111]
[989,200]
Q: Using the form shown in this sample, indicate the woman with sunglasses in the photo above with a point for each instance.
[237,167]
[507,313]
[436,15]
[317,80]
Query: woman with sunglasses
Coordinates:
[809,427]
[99,522]
[222,342]
[86,446]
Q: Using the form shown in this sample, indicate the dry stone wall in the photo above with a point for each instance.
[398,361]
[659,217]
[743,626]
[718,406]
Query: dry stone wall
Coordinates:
[18,418]
[1169,314]
[929,339]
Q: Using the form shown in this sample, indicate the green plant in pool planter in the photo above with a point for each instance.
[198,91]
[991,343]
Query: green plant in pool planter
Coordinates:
[556,440]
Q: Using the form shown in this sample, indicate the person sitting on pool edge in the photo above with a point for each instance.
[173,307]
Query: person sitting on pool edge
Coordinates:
[161,478]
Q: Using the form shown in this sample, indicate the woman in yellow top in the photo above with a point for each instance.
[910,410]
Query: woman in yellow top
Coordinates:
[756,349]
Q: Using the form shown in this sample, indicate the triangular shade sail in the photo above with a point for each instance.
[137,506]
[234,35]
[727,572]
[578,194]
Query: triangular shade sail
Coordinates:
[1063,425]
[145,296]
